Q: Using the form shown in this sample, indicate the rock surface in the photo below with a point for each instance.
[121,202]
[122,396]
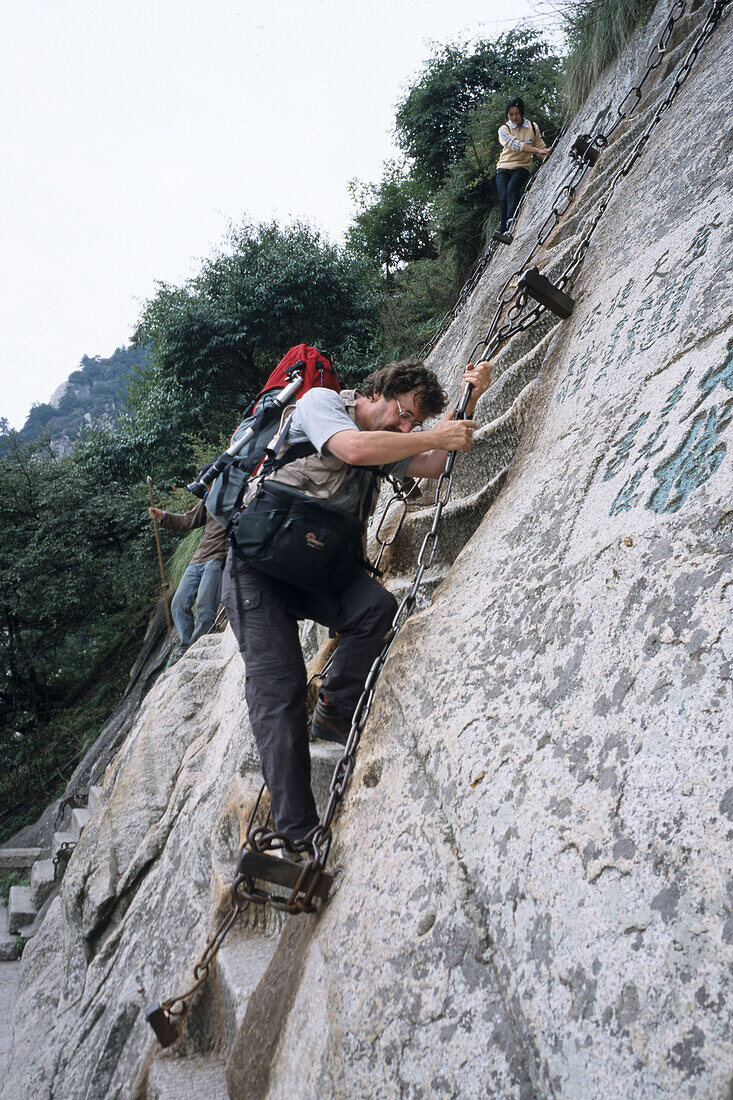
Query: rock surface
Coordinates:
[534,893]
[9,975]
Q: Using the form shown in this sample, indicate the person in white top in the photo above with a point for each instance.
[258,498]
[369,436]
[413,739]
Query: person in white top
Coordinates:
[520,140]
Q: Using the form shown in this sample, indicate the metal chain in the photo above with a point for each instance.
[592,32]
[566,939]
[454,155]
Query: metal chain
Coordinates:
[178,1006]
[63,855]
[481,265]
[510,308]
[243,892]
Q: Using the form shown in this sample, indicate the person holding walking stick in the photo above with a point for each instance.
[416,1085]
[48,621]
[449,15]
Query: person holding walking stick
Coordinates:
[196,601]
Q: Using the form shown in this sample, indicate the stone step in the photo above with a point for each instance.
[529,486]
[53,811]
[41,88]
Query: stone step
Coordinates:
[18,859]
[240,964]
[684,34]
[400,586]
[324,757]
[21,910]
[42,881]
[79,819]
[9,945]
[59,839]
[172,1078]
[95,793]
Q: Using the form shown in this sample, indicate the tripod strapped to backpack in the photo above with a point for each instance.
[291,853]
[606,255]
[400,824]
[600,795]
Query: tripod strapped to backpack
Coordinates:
[300,370]
[266,415]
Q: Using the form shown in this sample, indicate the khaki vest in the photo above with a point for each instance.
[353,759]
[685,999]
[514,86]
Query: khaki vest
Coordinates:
[326,477]
[515,158]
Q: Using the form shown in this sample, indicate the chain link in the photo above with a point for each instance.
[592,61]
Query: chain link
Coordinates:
[63,855]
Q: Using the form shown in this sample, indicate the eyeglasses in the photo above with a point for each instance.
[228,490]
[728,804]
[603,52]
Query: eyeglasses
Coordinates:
[405,414]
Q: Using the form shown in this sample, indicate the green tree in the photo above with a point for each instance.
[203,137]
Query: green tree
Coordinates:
[393,226]
[214,340]
[422,292]
[74,556]
[432,119]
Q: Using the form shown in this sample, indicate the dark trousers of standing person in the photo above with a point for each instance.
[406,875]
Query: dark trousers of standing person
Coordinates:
[264,614]
[510,183]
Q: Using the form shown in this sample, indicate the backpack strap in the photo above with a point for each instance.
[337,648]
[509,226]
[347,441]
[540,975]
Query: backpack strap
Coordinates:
[274,458]
[298,450]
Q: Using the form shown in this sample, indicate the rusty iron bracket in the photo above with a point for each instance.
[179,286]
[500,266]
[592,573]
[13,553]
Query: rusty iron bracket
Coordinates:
[543,291]
[281,872]
[165,1032]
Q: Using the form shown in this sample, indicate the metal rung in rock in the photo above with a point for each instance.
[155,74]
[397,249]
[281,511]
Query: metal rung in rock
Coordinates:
[164,1030]
[543,291]
[280,872]
[584,150]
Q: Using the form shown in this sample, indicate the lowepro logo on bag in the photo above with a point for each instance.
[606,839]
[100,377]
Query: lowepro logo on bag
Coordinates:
[313,542]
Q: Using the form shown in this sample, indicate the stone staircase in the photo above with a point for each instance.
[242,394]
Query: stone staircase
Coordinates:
[26,904]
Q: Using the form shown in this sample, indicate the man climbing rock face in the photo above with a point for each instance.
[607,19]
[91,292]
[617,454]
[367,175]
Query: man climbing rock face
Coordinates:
[353,433]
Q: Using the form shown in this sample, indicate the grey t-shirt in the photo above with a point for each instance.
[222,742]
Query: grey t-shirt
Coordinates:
[318,415]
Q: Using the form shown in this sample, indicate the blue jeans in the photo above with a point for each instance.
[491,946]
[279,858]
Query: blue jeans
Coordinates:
[510,183]
[200,585]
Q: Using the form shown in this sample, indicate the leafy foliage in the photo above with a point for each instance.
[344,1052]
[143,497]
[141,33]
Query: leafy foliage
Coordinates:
[432,120]
[214,340]
[421,294]
[72,556]
[596,31]
[78,566]
[392,227]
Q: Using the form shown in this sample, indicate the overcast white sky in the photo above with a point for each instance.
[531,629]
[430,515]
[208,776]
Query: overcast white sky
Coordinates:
[136,131]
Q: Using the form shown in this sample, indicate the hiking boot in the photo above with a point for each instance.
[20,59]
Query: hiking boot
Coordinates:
[328,725]
[503,236]
[291,856]
[176,656]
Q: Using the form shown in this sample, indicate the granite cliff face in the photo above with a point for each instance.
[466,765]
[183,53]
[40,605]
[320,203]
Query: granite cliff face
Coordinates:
[534,893]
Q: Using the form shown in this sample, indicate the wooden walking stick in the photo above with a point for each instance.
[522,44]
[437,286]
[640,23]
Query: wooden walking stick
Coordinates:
[160,557]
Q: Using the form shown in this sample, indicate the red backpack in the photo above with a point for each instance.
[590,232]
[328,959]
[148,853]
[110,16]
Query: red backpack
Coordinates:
[226,479]
[318,372]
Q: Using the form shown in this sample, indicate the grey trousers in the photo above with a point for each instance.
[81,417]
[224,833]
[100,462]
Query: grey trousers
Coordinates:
[264,614]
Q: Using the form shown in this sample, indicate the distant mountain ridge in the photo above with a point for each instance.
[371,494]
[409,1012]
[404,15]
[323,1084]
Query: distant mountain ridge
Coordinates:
[96,389]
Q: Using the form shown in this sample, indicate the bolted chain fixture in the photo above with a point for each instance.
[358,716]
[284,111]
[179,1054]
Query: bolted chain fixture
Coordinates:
[62,857]
[585,151]
[481,264]
[302,877]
